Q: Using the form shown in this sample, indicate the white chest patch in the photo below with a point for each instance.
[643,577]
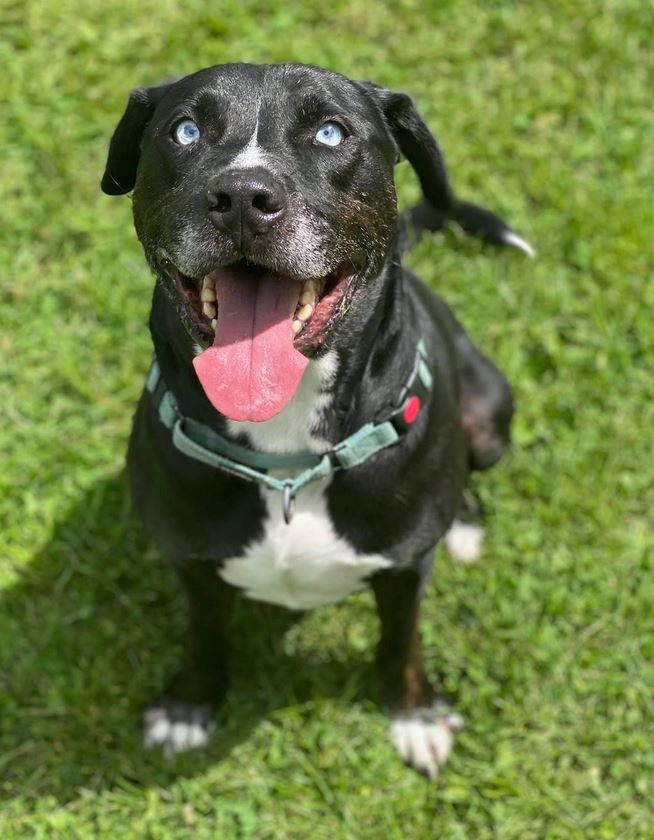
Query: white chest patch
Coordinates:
[303,564]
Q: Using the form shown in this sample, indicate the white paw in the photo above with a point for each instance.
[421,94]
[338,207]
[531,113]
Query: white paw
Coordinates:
[424,739]
[464,541]
[183,726]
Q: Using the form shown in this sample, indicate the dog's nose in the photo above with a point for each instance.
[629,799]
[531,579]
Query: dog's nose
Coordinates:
[245,202]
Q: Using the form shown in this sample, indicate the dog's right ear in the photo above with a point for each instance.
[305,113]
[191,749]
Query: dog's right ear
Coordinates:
[125,147]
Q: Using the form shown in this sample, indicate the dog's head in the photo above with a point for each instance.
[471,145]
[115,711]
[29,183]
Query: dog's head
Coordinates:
[265,202]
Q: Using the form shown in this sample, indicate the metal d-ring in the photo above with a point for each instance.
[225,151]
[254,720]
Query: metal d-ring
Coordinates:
[288,503]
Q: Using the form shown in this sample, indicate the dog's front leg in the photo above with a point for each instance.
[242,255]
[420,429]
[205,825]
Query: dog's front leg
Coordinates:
[182,716]
[422,728]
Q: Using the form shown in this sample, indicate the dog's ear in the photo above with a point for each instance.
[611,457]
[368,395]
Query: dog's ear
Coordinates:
[125,146]
[416,143]
[420,148]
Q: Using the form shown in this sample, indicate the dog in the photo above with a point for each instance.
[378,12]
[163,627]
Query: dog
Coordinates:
[313,411]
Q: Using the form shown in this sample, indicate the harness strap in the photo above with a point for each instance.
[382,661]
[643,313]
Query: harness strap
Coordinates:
[202,443]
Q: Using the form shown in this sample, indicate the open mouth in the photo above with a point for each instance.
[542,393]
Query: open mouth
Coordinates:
[258,329]
[320,300]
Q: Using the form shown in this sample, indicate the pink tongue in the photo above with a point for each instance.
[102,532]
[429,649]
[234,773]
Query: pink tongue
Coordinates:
[252,370]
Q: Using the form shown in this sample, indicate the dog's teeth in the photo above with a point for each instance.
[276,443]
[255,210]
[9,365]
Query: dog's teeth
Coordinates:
[296,326]
[310,289]
[214,324]
[305,313]
[207,282]
[207,294]
[209,309]
[307,296]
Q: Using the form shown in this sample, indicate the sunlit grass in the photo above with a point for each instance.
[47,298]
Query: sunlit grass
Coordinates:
[547,644]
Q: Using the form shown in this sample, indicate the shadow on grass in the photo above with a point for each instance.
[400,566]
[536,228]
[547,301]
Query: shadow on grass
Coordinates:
[93,630]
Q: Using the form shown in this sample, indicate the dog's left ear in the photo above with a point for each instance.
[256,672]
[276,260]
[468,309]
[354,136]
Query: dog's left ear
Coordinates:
[416,143]
[420,148]
[125,146]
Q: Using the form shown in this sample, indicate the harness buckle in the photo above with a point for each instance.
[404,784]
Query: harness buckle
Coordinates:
[288,502]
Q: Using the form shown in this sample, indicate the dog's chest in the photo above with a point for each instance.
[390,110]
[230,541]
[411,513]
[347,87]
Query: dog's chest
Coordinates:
[304,563]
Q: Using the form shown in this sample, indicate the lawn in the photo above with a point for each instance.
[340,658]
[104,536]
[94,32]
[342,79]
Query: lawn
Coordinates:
[547,644]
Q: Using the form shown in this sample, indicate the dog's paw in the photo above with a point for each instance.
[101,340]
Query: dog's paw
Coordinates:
[424,738]
[177,725]
[464,541]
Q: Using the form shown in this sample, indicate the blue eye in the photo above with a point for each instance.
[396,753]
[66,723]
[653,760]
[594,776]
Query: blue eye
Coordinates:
[330,134]
[186,132]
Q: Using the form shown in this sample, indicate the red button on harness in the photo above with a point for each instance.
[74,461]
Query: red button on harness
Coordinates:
[411,410]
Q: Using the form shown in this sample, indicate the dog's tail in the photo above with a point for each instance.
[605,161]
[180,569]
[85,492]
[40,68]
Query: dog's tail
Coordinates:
[477,221]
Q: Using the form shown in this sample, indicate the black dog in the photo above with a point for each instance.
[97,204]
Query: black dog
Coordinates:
[314,410]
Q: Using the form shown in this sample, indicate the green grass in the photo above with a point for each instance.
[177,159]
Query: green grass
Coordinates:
[545,115]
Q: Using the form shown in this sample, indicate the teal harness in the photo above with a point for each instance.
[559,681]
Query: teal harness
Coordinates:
[202,443]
